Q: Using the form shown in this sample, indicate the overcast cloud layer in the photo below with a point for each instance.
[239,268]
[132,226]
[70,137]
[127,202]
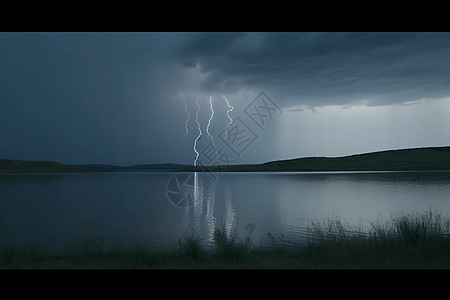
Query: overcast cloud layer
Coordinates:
[116,97]
[318,69]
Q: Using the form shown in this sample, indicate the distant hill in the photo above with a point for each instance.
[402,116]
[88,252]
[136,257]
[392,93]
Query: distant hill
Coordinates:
[97,167]
[146,167]
[18,166]
[431,158]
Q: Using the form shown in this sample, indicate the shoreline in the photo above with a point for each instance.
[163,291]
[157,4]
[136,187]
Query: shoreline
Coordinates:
[417,240]
[229,171]
[416,159]
[232,171]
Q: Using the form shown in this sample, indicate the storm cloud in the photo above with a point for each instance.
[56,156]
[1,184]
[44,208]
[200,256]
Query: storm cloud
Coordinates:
[319,69]
[116,98]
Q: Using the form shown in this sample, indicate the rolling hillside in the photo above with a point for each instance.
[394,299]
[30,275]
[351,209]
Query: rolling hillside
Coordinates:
[18,166]
[433,158]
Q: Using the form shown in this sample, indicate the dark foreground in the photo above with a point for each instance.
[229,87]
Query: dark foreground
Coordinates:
[418,240]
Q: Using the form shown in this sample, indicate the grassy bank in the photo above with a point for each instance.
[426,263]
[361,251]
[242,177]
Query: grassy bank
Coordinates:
[417,240]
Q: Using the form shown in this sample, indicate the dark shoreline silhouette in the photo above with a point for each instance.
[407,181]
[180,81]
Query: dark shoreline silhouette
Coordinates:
[414,159]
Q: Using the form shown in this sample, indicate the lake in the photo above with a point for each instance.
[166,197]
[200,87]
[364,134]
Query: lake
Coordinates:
[145,206]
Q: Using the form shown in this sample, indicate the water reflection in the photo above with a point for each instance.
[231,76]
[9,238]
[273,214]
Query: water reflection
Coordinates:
[198,201]
[210,220]
[212,201]
[229,211]
[378,177]
[33,178]
[134,206]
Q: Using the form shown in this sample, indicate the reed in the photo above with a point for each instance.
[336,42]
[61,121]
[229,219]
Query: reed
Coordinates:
[414,240]
[418,239]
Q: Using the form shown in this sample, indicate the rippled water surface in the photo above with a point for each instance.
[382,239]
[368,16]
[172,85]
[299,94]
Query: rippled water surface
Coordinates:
[145,206]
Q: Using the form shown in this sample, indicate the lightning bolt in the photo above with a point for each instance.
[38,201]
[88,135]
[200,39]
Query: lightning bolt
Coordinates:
[209,123]
[189,116]
[199,133]
[231,108]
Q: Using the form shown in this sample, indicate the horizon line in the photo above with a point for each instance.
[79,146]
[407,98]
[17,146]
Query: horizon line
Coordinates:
[170,163]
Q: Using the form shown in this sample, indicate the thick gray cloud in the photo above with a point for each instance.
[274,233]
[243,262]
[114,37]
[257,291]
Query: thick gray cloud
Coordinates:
[116,97]
[88,98]
[317,69]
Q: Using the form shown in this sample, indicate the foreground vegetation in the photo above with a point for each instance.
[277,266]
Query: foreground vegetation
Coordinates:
[416,240]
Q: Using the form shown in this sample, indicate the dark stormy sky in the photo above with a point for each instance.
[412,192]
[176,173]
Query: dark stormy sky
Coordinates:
[118,98]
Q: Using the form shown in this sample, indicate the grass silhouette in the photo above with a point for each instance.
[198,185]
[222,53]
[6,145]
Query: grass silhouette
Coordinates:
[415,240]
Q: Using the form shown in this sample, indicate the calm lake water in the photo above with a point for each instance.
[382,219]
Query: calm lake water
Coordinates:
[122,206]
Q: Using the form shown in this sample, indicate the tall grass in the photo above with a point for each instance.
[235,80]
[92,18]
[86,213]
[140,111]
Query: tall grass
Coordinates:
[231,247]
[13,257]
[191,246]
[404,240]
[415,240]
